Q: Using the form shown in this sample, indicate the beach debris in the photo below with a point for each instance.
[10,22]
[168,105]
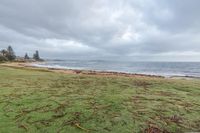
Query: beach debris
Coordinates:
[77,71]
[175,119]
[152,128]
[74,122]
[82,128]
[23,126]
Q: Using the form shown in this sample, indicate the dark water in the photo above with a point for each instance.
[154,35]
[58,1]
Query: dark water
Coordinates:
[167,69]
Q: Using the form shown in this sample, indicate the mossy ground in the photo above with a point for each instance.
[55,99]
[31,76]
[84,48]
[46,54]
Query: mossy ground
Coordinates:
[41,101]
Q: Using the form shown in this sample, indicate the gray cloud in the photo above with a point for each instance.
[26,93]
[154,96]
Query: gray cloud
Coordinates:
[137,30]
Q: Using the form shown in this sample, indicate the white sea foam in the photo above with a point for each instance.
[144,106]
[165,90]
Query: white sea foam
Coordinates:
[167,69]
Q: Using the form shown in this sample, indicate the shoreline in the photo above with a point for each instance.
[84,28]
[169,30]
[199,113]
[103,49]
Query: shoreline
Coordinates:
[89,72]
[76,71]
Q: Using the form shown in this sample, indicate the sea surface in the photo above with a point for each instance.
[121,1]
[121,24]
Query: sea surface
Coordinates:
[167,69]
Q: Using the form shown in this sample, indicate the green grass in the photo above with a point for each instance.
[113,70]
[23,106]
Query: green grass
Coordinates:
[41,101]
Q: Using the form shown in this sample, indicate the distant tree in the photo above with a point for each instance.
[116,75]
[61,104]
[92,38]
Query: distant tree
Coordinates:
[36,55]
[4,52]
[10,55]
[26,56]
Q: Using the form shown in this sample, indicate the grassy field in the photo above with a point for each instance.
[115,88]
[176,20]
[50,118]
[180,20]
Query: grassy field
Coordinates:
[41,101]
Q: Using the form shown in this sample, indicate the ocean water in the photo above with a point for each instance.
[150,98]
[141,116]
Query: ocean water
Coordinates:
[167,69]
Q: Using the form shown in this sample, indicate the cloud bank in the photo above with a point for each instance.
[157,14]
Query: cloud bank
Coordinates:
[103,29]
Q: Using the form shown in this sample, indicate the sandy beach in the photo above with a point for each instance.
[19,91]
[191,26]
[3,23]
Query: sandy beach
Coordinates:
[73,71]
[90,72]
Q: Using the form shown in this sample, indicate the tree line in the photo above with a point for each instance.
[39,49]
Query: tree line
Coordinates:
[9,55]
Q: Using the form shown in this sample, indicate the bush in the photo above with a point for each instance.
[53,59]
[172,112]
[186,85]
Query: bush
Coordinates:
[2,58]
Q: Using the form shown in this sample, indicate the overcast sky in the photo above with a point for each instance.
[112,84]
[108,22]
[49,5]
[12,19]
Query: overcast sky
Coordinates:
[166,30]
